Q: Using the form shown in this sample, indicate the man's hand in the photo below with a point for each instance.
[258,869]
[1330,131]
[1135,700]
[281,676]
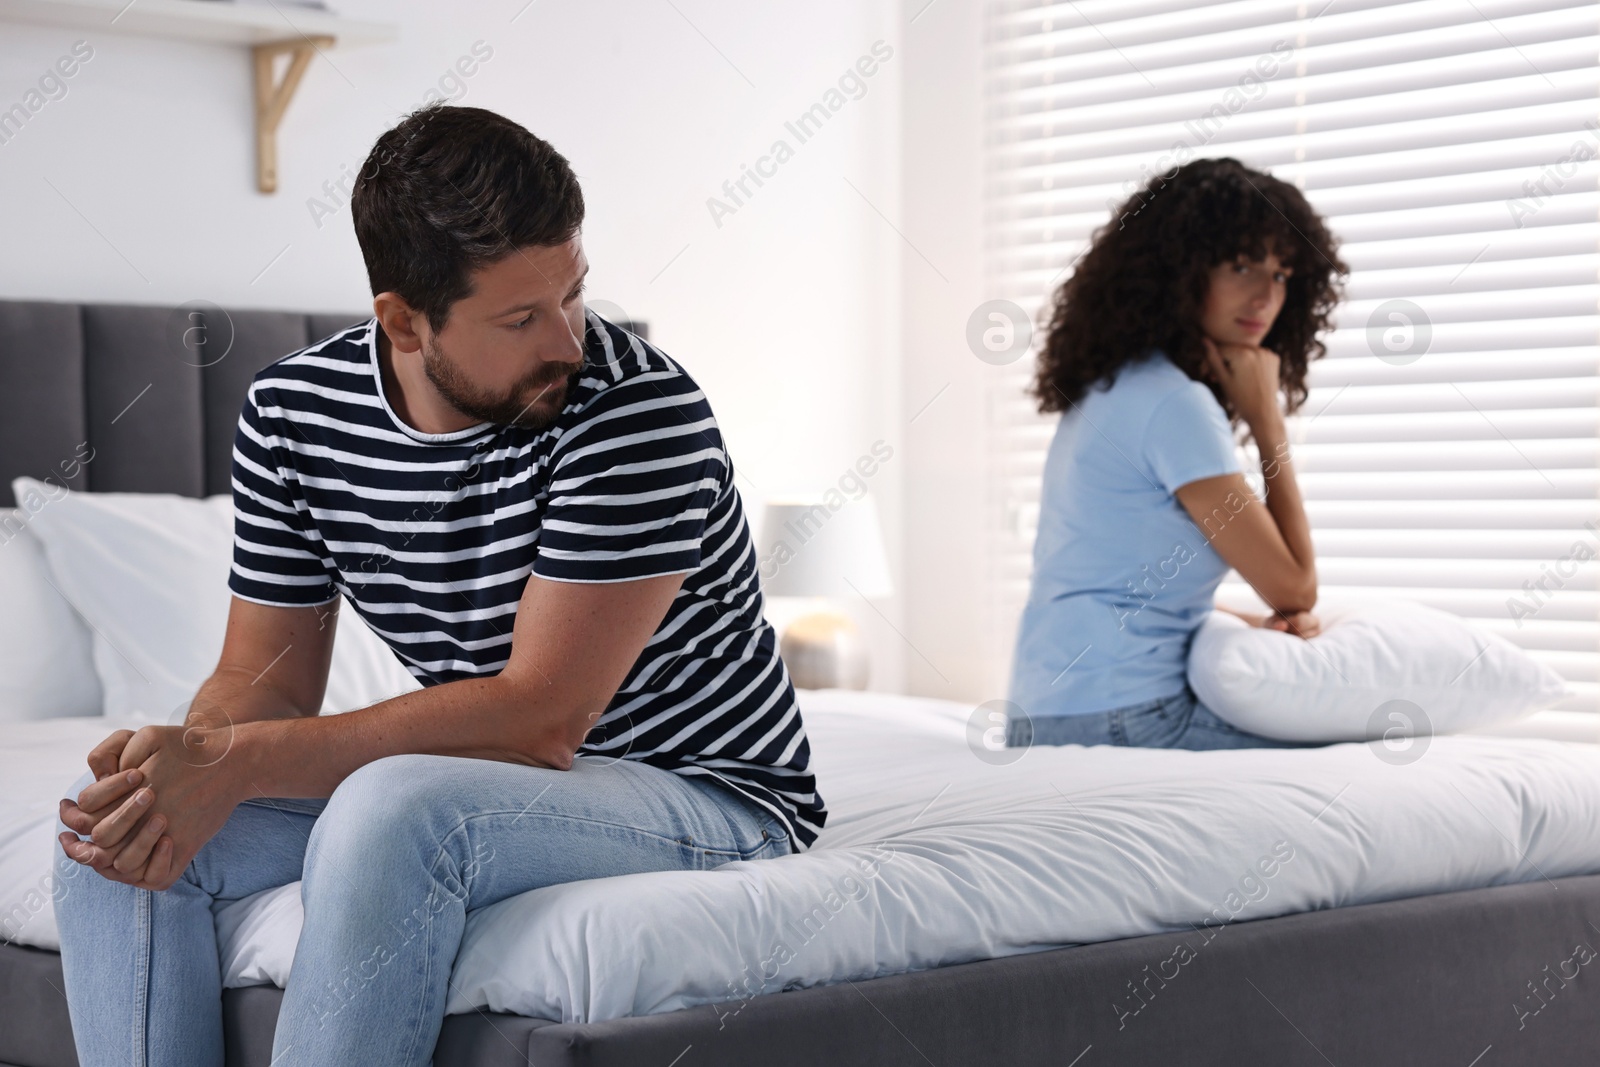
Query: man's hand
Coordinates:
[105,761]
[149,838]
[98,801]
[106,757]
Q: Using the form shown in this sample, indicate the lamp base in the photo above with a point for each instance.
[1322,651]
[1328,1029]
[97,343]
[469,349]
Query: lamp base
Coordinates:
[825,650]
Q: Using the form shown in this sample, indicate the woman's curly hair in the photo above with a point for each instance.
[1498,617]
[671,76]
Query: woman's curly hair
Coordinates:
[1142,284]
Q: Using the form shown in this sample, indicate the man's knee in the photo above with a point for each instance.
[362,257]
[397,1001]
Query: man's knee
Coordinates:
[386,782]
[377,800]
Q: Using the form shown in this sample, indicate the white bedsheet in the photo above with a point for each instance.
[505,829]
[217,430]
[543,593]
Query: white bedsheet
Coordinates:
[932,856]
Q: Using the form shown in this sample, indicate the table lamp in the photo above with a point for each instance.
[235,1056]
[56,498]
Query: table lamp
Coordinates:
[809,549]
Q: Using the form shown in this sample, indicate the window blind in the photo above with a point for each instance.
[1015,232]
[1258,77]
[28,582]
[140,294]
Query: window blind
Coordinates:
[1448,449]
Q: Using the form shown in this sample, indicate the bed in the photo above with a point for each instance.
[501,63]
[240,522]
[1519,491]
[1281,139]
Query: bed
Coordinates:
[1075,906]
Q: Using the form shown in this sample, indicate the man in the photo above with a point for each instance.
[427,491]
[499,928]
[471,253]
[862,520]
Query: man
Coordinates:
[535,509]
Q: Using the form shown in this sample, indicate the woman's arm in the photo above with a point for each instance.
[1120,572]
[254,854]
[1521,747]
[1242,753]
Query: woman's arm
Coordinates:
[1249,618]
[1269,546]
[1301,623]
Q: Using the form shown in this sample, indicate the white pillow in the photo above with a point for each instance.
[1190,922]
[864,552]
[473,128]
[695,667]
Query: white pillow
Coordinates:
[46,667]
[1371,667]
[149,573]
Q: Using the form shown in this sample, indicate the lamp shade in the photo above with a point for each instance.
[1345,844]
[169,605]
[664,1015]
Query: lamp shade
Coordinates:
[808,549]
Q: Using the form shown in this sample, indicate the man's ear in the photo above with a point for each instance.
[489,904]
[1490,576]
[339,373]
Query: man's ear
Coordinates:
[399,321]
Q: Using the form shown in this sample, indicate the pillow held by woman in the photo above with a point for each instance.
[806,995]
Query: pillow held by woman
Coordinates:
[1343,684]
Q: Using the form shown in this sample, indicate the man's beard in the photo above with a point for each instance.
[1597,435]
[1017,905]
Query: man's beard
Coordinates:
[514,408]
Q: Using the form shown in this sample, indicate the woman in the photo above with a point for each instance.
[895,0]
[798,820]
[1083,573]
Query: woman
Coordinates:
[1196,310]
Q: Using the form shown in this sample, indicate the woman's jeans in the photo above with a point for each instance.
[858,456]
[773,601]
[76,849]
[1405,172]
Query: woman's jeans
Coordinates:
[1177,721]
[389,866]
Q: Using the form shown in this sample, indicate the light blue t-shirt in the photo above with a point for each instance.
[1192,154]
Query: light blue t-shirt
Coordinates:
[1121,575]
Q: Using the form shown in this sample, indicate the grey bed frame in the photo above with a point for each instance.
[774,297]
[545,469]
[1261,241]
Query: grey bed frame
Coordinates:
[1481,978]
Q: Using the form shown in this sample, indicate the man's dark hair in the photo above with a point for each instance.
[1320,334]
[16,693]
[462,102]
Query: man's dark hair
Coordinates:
[451,189]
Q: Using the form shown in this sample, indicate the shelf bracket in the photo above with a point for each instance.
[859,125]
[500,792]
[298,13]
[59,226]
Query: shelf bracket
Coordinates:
[272,100]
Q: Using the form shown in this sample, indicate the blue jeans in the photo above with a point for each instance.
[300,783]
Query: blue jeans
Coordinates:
[389,865]
[1177,721]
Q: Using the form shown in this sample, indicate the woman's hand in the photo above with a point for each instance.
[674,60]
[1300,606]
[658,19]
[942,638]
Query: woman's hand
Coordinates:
[1248,375]
[1299,623]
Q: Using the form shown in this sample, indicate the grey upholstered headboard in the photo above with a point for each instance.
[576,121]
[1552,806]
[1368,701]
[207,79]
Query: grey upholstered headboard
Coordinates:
[154,392]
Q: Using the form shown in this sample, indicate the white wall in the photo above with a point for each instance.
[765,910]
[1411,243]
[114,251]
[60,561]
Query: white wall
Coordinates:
[138,186]
[956,652]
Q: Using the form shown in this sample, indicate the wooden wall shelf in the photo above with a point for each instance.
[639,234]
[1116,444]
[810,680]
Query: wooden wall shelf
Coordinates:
[267,30]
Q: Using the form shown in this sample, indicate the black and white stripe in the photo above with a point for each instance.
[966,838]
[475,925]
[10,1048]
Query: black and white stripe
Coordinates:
[431,537]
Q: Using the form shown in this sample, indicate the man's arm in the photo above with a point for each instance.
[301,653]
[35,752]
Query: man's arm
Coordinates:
[573,643]
[274,665]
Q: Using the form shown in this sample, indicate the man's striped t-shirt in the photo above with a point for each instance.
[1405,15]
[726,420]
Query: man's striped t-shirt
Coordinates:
[431,538]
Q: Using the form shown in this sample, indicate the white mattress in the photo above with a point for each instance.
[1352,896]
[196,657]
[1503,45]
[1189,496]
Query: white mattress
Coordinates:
[932,856]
